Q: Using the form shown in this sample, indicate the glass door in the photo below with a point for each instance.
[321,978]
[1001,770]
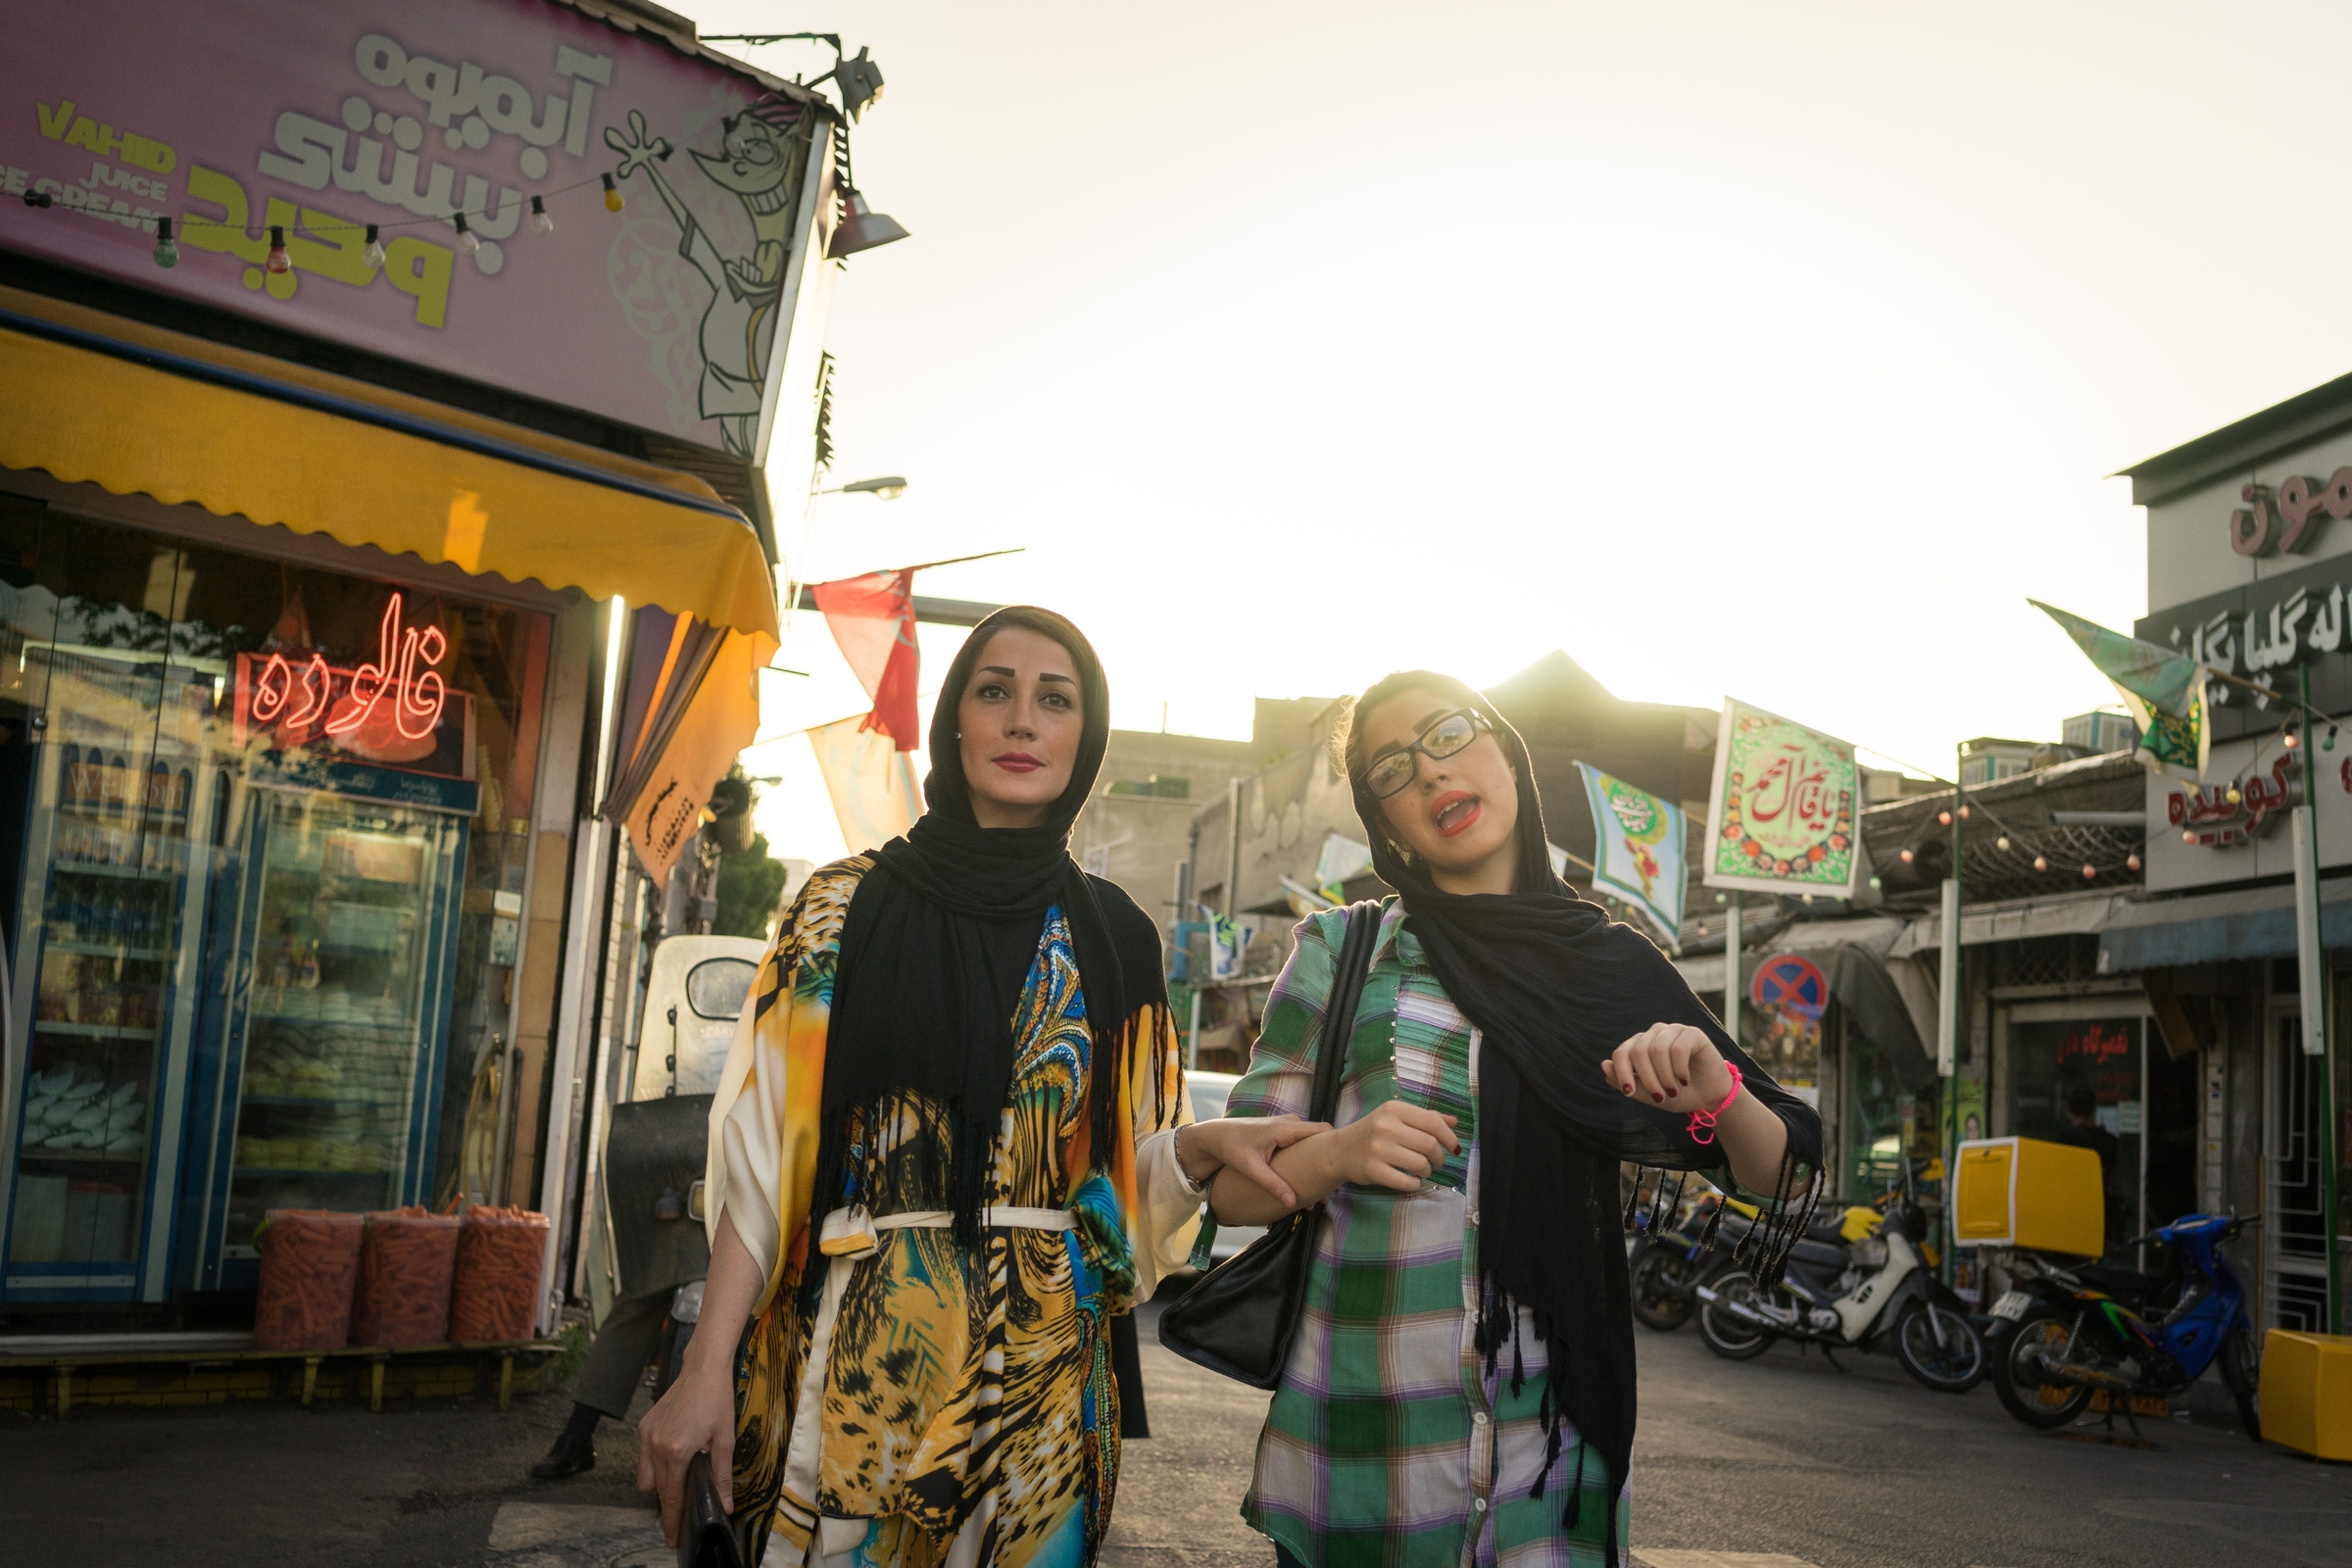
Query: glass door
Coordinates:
[342,967]
[100,921]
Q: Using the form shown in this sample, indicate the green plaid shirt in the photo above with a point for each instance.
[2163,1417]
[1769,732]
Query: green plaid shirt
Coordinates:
[1388,1445]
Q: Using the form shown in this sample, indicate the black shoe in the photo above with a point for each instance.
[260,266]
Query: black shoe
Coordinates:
[564,1462]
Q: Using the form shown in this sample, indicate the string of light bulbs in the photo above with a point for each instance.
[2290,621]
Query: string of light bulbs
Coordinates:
[281,261]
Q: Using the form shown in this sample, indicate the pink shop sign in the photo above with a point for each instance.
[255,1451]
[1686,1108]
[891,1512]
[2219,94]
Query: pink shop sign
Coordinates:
[237,117]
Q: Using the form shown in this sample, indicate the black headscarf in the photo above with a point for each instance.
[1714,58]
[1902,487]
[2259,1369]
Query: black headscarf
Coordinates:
[1556,987]
[939,939]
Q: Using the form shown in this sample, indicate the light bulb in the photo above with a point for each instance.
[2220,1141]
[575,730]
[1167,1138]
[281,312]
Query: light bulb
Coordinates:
[280,261]
[2089,871]
[1963,813]
[2001,842]
[2130,862]
[373,255]
[2235,796]
[166,250]
[541,224]
[2041,863]
[1907,856]
[614,201]
[2328,740]
[1876,884]
[1945,817]
[2292,740]
[467,239]
[2189,835]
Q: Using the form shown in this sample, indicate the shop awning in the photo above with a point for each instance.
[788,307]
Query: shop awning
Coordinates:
[2207,928]
[95,399]
[1868,988]
[2067,915]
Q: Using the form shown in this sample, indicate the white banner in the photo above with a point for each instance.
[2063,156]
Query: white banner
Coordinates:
[871,780]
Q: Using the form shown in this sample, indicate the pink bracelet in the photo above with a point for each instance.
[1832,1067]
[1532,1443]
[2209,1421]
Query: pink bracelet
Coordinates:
[1702,1122]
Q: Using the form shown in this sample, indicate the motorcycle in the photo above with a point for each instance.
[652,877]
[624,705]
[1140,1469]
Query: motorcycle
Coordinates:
[2060,1335]
[1669,1263]
[1859,1285]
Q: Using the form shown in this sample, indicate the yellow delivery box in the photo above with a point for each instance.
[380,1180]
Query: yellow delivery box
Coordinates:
[2306,1393]
[2023,1192]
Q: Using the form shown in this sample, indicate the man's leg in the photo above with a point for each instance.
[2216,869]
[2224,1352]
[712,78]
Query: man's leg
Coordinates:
[608,1382]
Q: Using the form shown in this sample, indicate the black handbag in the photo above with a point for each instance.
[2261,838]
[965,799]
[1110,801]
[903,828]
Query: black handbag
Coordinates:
[1243,1316]
[705,1538]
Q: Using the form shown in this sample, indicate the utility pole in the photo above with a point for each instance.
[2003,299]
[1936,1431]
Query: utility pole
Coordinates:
[2311,973]
[1731,969]
[1950,1009]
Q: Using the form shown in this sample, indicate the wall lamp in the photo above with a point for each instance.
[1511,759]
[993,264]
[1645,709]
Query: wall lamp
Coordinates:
[888,488]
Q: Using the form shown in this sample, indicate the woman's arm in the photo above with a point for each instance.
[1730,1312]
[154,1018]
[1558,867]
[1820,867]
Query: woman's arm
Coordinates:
[1395,1145]
[698,1412]
[1676,1070]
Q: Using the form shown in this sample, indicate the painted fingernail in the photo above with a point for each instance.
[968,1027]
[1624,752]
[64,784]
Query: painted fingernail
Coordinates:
[1660,1099]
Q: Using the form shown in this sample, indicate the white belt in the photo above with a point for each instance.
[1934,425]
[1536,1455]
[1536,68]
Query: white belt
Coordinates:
[851,1233]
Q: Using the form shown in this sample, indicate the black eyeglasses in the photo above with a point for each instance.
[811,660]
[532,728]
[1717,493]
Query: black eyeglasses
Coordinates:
[1439,738]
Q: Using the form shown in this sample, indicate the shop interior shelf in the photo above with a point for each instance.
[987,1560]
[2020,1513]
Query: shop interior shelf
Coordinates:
[95,1031]
[85,1156]
[128,872]
[272,1173]
[102,950]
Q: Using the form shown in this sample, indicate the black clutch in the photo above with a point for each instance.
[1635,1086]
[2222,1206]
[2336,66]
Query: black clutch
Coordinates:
[706,1539]
[1243,1316]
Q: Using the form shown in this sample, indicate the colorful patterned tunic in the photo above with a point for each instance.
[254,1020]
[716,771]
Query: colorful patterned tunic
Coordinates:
[1389,1445]
[923,1407]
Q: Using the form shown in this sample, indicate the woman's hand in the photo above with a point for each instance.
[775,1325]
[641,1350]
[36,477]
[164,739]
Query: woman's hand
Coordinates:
[1396,1146]
[1246,1146]
[696,1414]
[1672,1067]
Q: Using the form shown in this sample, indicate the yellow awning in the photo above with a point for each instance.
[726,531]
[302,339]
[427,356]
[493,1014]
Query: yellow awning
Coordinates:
[95,399]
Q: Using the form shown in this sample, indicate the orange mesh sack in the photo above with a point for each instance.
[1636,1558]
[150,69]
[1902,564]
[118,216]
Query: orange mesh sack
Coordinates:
[500,1252]
[405,1267]
[310,1259]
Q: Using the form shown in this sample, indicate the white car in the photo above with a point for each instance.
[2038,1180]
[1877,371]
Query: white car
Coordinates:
[1210,1090]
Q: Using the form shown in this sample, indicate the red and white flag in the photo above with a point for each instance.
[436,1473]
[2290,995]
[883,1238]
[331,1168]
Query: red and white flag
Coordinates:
[873,620]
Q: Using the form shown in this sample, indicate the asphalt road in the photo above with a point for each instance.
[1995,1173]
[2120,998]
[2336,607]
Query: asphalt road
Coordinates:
[1776,1463]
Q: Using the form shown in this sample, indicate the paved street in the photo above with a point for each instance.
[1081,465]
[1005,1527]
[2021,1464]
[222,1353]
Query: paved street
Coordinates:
[1769,1464]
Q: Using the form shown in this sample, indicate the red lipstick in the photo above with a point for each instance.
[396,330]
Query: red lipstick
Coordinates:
[1017,762]
[1453,812]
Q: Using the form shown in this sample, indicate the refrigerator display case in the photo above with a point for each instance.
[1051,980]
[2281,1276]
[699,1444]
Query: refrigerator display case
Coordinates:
[336,1019]
[101,1008]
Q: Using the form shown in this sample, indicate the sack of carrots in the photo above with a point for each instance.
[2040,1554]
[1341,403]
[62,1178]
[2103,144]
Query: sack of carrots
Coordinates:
[500,1252]
[406,1261]
[310,1259]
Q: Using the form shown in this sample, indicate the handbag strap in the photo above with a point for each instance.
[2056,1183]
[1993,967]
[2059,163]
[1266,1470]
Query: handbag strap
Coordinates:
[1339,1009]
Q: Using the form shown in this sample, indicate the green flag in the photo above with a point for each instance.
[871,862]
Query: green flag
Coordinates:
[2164,689]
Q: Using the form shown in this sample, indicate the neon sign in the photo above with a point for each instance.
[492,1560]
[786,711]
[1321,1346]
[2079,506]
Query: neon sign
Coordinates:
[388,709]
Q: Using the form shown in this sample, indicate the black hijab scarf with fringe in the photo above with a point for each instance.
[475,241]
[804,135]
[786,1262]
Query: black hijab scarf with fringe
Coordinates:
[1555,985]
[936,946]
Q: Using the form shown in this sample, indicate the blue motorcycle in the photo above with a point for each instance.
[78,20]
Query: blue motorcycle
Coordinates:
[2060,1335]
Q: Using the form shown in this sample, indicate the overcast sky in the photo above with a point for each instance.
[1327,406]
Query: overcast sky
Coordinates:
[1773,351]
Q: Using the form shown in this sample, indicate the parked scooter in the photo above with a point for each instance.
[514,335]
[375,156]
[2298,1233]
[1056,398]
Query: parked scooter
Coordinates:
[1867,1286]
[2060,1335]
[1668,1264]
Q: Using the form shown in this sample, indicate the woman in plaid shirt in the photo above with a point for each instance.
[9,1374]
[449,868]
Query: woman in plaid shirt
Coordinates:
[1449,1378]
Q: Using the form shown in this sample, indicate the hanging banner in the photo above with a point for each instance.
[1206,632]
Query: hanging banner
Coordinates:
[680,766]
[1637,856]
[872,621]
[1782,808]
[1342,859]
[871,782]
[2165,690]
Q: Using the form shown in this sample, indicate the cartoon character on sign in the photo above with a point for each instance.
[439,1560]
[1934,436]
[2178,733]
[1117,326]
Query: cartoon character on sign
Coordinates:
[759,163]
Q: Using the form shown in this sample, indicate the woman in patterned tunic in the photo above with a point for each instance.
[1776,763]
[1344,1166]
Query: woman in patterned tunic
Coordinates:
[1461,1390]
[943,1157]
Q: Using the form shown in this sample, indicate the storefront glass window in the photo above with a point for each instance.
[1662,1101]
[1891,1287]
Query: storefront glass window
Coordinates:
[2052,1060]
[261,825]
[1879,1121]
